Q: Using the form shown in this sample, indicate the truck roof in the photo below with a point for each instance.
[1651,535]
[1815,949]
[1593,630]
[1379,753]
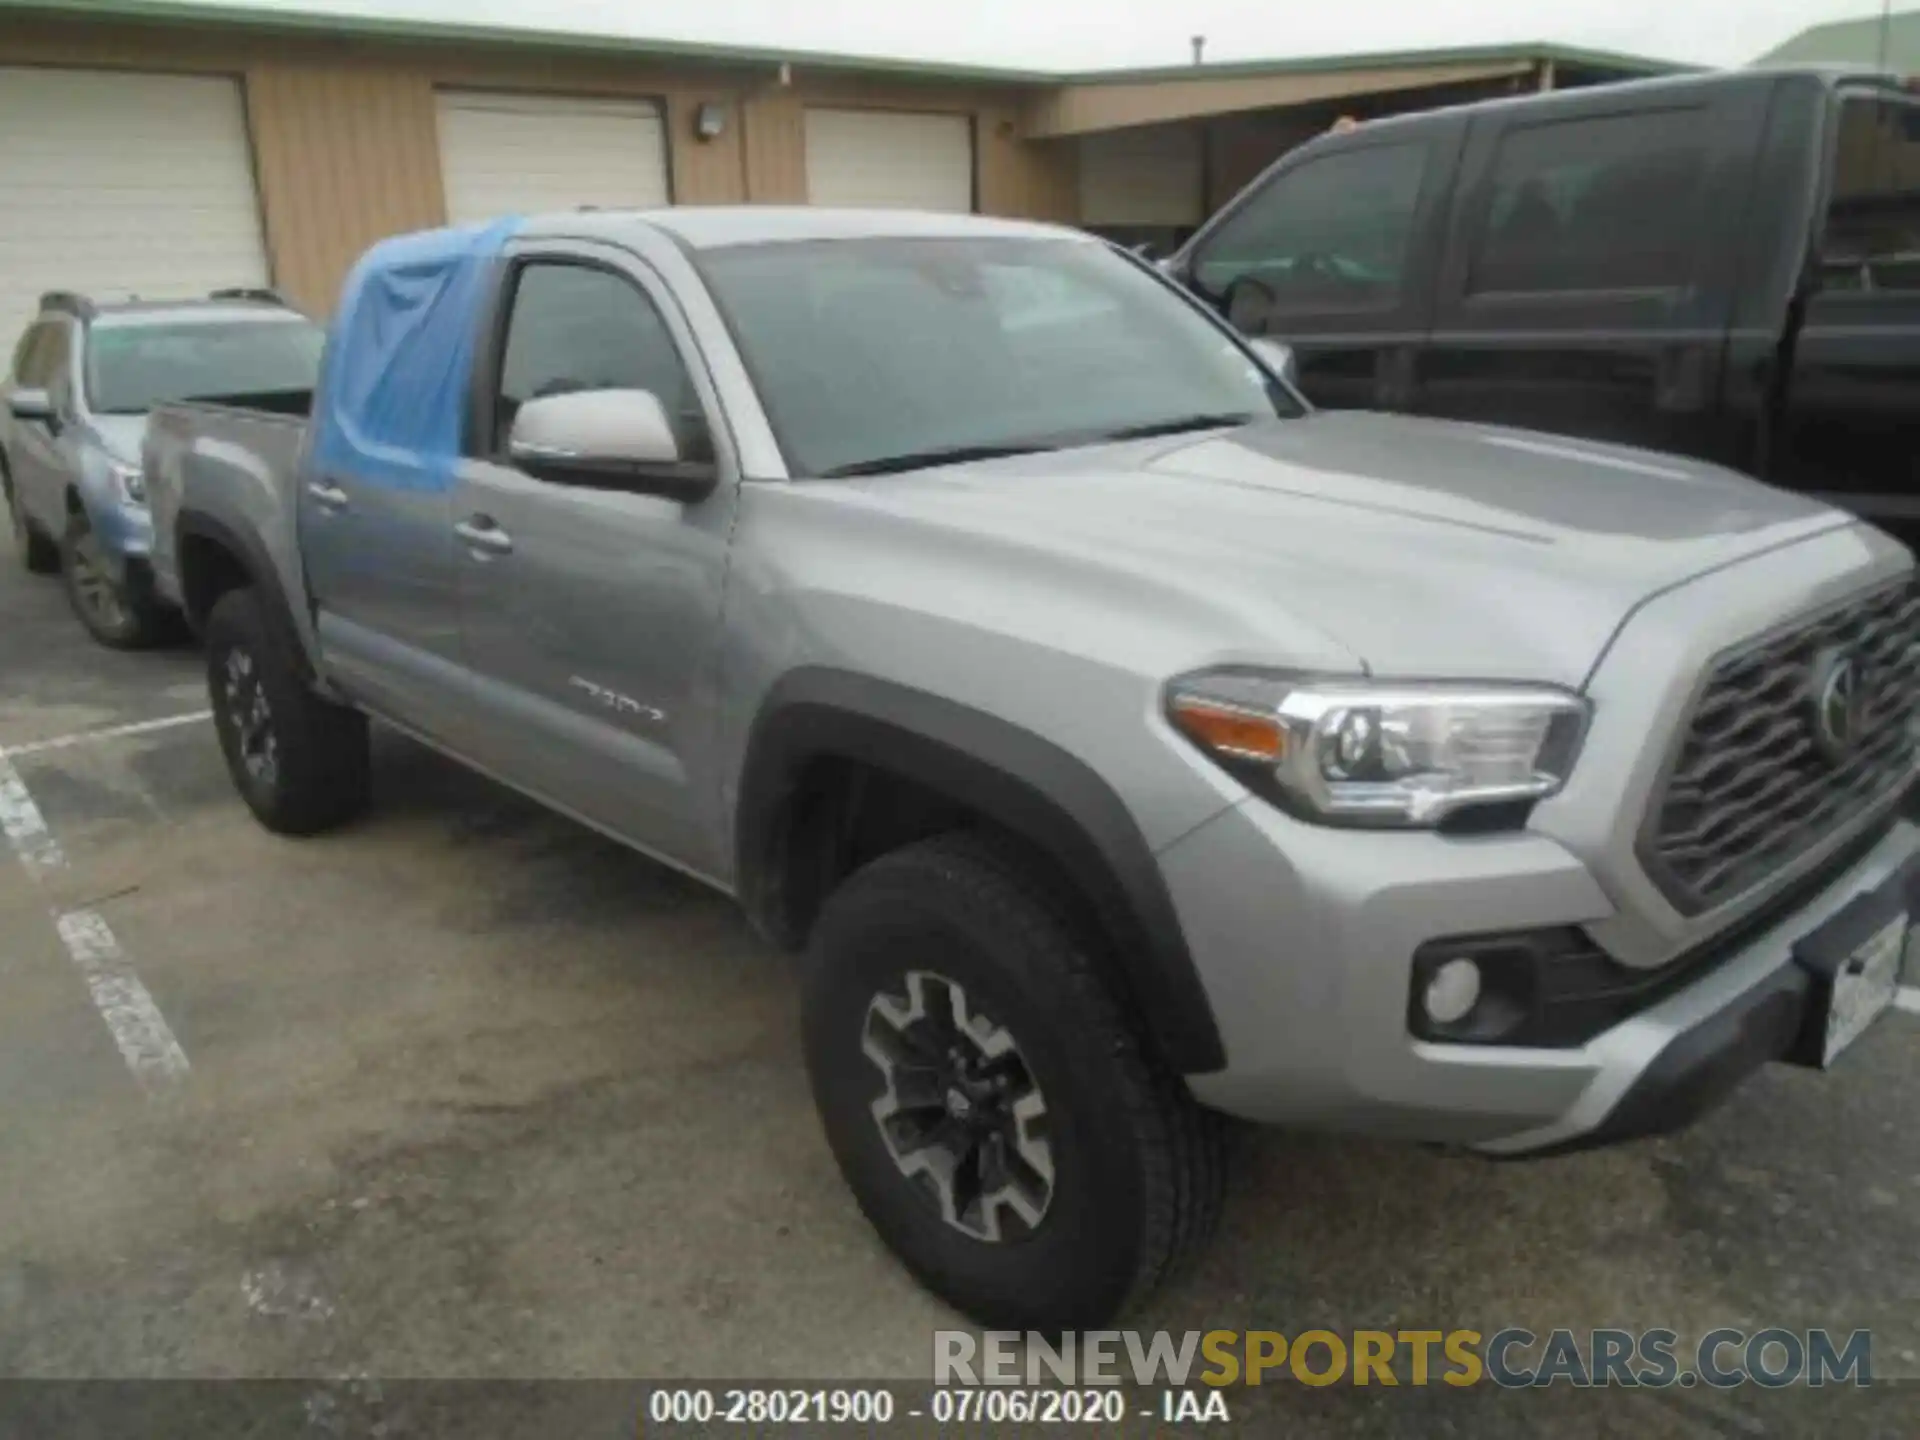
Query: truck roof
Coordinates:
[710,227]
[234,305]
[1654,91]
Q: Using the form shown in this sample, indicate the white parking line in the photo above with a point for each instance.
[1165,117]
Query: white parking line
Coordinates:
[25,828]
[139,1029]
[135,1022]
[110,732]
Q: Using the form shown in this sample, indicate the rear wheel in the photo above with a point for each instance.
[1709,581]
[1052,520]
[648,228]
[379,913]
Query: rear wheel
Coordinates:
[299,761]
[991,1105]
[36,552]
[112,613]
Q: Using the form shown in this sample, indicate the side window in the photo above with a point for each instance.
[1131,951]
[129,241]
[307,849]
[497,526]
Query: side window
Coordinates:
[1871,240]
[1330,234]
[577,327]
[1607,203]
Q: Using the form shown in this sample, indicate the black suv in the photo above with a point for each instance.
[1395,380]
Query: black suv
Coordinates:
[1723,265]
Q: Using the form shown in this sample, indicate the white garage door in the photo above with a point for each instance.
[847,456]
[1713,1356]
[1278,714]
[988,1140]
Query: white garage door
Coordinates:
[115,184]
[889,158]
[1149,176]
[522,154]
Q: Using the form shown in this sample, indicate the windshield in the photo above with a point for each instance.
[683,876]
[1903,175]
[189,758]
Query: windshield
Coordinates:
[132,368]
[879,354]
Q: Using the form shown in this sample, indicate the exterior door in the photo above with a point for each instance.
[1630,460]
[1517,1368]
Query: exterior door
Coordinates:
[523,154]
[592,614]
[1334,253]
[1589,279]
[1849,426]
[889,159]
[377,544]
[116,183]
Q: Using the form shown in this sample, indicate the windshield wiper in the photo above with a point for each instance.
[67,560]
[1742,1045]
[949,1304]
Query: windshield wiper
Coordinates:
[1180,424]
[926,459]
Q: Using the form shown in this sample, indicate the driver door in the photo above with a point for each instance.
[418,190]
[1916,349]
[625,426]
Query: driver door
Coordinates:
[1336,254]
[590,615]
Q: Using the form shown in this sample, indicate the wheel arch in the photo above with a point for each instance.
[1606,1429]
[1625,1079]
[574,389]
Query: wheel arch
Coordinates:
[990,769]
[214,558]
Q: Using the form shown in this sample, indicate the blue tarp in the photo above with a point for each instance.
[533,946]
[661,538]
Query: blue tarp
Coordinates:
[393,388]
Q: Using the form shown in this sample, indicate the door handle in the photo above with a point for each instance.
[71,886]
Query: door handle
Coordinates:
[483,532]
[328,497]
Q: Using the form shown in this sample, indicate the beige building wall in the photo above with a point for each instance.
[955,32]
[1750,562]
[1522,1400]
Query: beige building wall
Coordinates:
[346,149]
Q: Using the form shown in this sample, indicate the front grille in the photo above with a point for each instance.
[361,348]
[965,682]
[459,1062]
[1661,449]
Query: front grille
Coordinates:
[1751,789]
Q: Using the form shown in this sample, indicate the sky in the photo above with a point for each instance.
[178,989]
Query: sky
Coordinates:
[1089,34]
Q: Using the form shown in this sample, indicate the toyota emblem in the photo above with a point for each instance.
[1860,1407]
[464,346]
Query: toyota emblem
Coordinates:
[1839,697]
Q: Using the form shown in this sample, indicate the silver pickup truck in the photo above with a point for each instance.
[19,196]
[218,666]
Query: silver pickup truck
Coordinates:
[1122,742]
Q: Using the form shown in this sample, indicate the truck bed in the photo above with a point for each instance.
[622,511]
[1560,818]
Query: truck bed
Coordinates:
[237,458]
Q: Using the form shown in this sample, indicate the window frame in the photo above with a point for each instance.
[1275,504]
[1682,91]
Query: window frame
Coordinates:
[1734,117]
[1486,190]
[1410,313]
[1325,157]
[1851,307]
[479,436]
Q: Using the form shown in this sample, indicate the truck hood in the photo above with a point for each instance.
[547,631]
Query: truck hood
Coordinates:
[1423,548]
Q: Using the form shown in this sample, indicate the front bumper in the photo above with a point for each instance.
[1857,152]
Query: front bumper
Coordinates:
[1305,937]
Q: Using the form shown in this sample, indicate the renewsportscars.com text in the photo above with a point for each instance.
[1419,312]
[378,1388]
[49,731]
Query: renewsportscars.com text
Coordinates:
[1512,1358]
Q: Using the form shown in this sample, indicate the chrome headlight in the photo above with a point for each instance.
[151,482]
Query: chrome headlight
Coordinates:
[1358,752]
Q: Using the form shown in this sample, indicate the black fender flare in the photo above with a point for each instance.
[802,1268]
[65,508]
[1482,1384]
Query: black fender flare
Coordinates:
[250,554]
[1018,780]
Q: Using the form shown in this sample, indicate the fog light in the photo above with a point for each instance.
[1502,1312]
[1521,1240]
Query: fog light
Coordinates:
[1453,991]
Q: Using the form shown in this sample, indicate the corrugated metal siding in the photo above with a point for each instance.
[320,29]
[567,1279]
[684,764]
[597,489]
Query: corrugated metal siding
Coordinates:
[1153,175]
[94,157]
[344,157]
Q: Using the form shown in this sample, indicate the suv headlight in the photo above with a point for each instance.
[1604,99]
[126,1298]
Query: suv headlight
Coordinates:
[132,484]
[1359,752]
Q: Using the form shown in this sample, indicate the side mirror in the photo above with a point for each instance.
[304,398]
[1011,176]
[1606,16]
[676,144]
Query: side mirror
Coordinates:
[1278,357]
[608,440]
[32,404]
[1247,305]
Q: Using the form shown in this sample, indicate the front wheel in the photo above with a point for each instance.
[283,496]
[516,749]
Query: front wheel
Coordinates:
[111,612]
[299,761]
[991,1105]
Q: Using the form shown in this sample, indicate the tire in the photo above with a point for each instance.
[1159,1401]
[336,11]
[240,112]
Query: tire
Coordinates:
[1137,1169]
[111,613]
[300,762]
[39,554]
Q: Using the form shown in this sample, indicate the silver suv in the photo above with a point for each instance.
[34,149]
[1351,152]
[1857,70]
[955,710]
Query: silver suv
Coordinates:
[1122,741]
[83,378]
